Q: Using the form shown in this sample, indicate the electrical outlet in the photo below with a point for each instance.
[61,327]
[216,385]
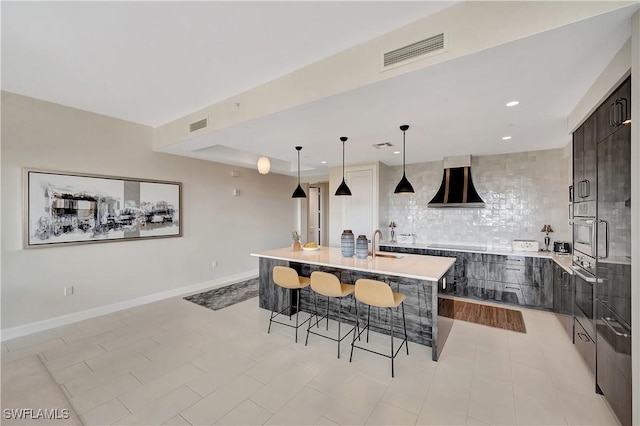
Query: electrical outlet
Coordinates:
[214,263]
[68,291]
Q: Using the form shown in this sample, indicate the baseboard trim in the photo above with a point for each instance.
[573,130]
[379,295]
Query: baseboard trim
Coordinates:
[34,327]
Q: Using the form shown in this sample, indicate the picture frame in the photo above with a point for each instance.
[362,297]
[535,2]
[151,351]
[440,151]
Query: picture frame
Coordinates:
[67,208]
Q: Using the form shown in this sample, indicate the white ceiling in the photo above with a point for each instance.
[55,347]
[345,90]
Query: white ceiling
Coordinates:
[154,62]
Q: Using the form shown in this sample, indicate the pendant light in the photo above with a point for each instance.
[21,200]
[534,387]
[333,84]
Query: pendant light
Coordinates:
[299,192]
[343,189]
[264,165]
[404,186]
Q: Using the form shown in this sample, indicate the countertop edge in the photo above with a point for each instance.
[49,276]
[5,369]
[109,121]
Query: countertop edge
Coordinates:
[564,261]
[358,268]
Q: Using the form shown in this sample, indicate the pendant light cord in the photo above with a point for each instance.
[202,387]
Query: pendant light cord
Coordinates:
[298,167]
[343,160]
[404,153]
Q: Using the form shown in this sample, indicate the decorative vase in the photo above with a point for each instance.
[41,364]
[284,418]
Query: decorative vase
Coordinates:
[296,245]
[347,243]
[362,247]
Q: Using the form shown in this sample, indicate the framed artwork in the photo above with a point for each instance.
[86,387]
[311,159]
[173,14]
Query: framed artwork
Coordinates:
[74,208]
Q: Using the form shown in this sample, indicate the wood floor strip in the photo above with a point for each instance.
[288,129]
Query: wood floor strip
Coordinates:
[493,316]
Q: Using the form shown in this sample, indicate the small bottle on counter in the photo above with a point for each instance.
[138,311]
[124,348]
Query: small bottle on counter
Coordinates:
[347,243]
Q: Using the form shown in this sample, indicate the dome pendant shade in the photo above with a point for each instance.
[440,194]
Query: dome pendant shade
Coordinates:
[404,186]
[343,189]
[264,165]
[299,192]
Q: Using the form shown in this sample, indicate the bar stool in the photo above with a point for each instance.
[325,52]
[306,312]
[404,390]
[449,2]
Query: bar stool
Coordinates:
[379,294]
[328,285]
[288,278]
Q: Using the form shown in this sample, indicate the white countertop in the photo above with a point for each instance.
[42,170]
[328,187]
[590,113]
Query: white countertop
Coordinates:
[429,268]
[563,260]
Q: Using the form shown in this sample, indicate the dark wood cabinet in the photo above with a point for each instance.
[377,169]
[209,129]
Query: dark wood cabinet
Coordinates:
[584,161]
[563,298]
[614,112]
[514,280]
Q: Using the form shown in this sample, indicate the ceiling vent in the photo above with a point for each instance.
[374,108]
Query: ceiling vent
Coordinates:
[382,145]
[418,50]
[197,125]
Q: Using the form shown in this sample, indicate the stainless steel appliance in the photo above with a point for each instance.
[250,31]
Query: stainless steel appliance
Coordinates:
[561,247]
[584,236]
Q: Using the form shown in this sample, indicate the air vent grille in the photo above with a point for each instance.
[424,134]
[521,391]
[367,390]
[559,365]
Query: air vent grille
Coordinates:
[419,48]
[197,125]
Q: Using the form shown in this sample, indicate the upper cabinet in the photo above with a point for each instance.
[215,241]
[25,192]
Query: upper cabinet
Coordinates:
[614,111]
[584,161]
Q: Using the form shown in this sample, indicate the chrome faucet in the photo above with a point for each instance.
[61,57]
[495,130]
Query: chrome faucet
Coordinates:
[373,242]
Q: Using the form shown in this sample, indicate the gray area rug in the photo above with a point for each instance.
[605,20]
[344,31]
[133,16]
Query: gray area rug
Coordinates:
[222,297]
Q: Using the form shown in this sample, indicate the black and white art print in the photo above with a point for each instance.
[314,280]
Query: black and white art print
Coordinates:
[69,208]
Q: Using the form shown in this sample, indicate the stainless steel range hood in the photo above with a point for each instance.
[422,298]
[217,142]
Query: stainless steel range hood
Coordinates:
[456,189]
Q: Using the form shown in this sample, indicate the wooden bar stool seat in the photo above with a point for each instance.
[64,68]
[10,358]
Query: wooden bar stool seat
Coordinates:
[288,278]
[379,294]
[328,285]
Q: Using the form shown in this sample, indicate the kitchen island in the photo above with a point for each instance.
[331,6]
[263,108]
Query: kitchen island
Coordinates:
[417,276]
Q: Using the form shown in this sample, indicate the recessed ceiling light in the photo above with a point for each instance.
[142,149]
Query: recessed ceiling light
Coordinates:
[506,138]
[512,103]
[323,162]
[396,152]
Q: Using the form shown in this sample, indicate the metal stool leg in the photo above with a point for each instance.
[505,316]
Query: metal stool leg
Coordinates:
[391,312]
[368,317]
[353,342]
[327,313]
[339,321]
[404,322]
[297,313]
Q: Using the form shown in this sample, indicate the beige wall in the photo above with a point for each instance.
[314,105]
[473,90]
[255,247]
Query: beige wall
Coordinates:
[217,225]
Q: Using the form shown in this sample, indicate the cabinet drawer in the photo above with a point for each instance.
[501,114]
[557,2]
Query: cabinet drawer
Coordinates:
[585,346]
[514,274]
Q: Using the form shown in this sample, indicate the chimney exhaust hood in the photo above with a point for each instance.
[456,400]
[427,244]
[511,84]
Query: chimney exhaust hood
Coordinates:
[456,189]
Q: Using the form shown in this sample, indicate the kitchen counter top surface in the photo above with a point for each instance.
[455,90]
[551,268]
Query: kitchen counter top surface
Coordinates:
[562,260]
[429,268]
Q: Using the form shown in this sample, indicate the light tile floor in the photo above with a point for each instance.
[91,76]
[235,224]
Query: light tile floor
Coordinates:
[177,363]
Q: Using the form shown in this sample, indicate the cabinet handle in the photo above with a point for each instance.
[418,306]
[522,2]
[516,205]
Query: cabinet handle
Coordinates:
[624,110]
[606,320]
[612,113]
[587,188]
[606,238]
[514,269]
[583,337]
[512,288]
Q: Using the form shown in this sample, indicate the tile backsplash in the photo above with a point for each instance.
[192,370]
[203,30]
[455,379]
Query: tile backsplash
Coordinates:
[522,192]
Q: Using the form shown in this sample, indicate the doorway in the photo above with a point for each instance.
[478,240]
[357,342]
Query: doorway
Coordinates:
[316,217]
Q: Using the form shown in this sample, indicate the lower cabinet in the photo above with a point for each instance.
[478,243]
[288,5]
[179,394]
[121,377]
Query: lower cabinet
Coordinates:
[514,280]
[563,298]
[586,346]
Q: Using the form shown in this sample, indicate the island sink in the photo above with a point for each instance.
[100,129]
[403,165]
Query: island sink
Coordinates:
[389,255]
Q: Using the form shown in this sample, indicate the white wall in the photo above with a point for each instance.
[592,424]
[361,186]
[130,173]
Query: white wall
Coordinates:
[217,225]
[522,192]
[470,27]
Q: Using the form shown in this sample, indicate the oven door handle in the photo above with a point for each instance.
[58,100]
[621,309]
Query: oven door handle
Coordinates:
[584,277]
